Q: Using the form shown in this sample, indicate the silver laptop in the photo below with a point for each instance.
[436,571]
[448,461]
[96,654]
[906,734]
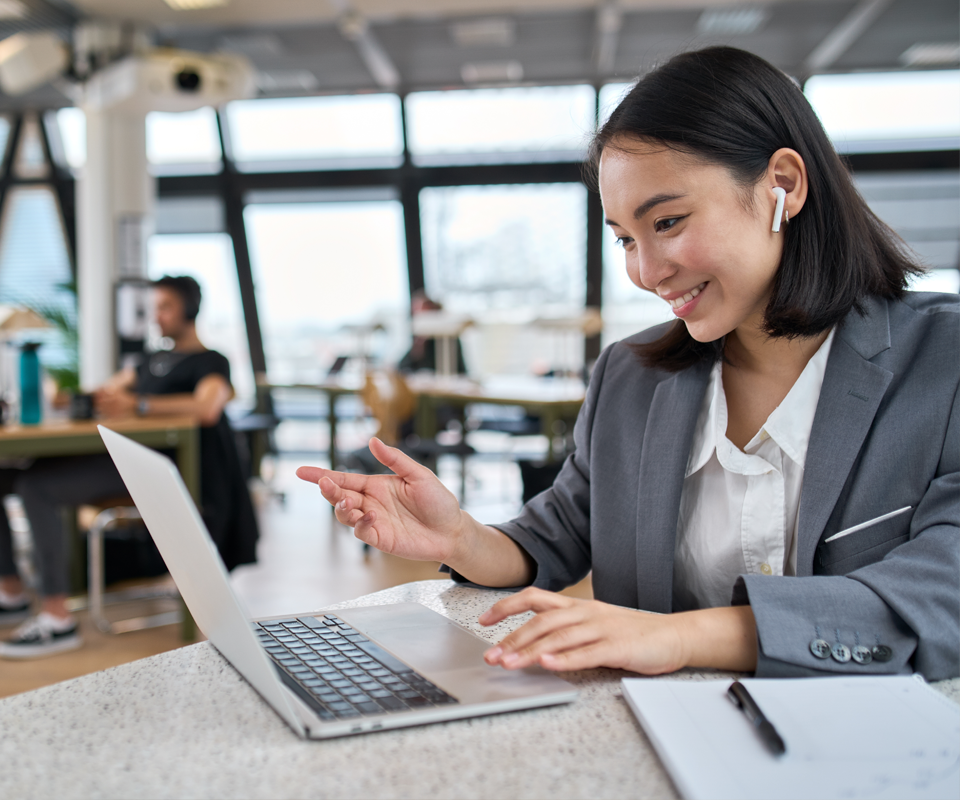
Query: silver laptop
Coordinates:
[326,675]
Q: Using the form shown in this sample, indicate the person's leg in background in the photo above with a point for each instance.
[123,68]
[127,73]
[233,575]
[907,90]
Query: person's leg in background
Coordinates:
[14,602]
[45,489]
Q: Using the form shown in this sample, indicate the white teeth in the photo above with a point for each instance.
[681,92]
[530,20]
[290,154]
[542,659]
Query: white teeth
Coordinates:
[681,301]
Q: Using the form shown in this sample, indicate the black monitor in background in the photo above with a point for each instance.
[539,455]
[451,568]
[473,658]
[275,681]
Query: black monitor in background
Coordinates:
[337,366]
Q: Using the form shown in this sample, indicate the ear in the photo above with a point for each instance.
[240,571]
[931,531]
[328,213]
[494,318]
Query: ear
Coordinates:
[787,170]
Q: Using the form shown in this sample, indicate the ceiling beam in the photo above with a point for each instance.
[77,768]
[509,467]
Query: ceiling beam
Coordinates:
[609,23]
[355,28]
[839,40]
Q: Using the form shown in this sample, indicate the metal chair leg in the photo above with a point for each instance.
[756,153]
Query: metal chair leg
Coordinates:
[95,565]
[95,580]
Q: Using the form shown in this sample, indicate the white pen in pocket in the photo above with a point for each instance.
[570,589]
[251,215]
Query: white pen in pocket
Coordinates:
[868,523]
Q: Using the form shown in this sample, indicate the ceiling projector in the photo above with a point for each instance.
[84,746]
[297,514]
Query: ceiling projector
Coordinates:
[158,79]
[170,80]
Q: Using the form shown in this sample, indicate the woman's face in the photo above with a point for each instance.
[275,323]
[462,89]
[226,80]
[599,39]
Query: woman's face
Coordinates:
[692,235]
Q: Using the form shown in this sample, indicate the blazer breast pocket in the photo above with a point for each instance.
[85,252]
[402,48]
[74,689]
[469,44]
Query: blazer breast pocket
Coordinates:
[863,547]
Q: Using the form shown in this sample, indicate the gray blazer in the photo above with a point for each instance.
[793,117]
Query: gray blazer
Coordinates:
[886,435]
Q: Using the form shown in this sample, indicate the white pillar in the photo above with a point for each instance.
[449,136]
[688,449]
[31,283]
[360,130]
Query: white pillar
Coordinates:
[115,207]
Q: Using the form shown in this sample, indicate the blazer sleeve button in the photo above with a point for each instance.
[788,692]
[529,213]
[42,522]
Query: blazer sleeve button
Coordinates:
[840,653]
[882,653]
[862,655]
[820,648]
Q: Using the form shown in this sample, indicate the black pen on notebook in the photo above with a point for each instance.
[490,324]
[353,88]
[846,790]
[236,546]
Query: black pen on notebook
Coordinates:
[743,700]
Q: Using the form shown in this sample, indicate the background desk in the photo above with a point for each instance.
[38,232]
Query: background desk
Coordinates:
[332,389]
[184,724]
[81,437]
[74,438]
[552,400]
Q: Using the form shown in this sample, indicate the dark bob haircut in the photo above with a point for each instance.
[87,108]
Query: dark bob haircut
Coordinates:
[731,108]
[187,289]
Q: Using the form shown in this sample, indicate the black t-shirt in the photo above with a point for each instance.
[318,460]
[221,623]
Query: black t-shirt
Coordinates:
[425,357]
[225,500]
[172,372]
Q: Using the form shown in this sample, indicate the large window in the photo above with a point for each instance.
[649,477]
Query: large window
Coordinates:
[610,96]
[208,257]
[328,132]
[35,269]
[327,275]
[924,209]
[506,256]
[4,134]
[183,143]
[495,248]
[186,142]
[73,135]
[490,125]
[889,112]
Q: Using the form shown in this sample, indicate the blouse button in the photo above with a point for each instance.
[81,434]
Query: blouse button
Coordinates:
[766,569]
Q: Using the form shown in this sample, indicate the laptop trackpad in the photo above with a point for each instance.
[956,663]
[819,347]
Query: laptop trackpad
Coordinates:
[418,636]
[452,657]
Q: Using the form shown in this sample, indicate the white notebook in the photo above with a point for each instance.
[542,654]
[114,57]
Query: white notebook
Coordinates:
[858,737]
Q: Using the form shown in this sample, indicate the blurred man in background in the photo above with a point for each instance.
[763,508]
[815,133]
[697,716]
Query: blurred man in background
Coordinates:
[188,380]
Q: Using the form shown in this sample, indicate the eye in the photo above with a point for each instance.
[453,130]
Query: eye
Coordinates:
[623,241]
[662,225]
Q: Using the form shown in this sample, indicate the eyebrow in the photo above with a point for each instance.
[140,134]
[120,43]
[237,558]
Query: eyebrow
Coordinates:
[656,200]
[645,207]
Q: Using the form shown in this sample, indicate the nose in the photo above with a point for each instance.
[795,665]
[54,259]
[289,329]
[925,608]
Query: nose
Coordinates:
[647,268]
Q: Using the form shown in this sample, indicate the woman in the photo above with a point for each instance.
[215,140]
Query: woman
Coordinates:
[797,361]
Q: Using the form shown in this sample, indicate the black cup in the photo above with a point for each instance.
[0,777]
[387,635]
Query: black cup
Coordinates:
[81,406]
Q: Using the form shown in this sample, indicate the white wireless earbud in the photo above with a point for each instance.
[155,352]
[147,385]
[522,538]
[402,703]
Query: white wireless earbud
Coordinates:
[781,194]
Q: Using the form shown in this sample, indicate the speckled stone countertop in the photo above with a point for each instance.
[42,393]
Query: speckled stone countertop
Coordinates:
[184,724]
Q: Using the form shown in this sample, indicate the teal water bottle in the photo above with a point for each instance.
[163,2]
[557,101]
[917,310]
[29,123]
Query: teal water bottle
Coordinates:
[30,406]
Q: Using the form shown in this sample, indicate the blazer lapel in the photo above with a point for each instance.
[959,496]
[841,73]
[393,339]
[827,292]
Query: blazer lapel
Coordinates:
[667,439]
[852,390]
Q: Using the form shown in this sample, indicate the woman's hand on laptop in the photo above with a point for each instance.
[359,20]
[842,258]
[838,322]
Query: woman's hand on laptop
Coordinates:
[571,634]
[411,514]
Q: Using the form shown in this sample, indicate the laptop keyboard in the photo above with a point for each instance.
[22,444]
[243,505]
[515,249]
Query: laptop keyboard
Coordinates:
[340,673]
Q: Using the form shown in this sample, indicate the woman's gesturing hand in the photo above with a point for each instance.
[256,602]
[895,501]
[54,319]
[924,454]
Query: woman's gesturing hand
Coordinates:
[570,634]
[409,514]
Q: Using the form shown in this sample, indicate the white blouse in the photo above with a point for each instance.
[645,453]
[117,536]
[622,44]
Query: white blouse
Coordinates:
[738,509]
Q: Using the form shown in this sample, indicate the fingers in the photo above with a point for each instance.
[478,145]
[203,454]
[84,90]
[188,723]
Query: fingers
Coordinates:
[350,517]
[531,599]
[335,496]
[586,657]
[364,528]
[582,634]
[563,642]
[396,460]
[565,634]
[346,480]
[310,474]
[341,489]
[347,506]
[551,631]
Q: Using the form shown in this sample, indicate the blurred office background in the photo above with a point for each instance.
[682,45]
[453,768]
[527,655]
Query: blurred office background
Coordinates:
[398,146]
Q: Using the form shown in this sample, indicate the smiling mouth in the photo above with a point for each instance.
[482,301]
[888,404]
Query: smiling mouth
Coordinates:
[679,302]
